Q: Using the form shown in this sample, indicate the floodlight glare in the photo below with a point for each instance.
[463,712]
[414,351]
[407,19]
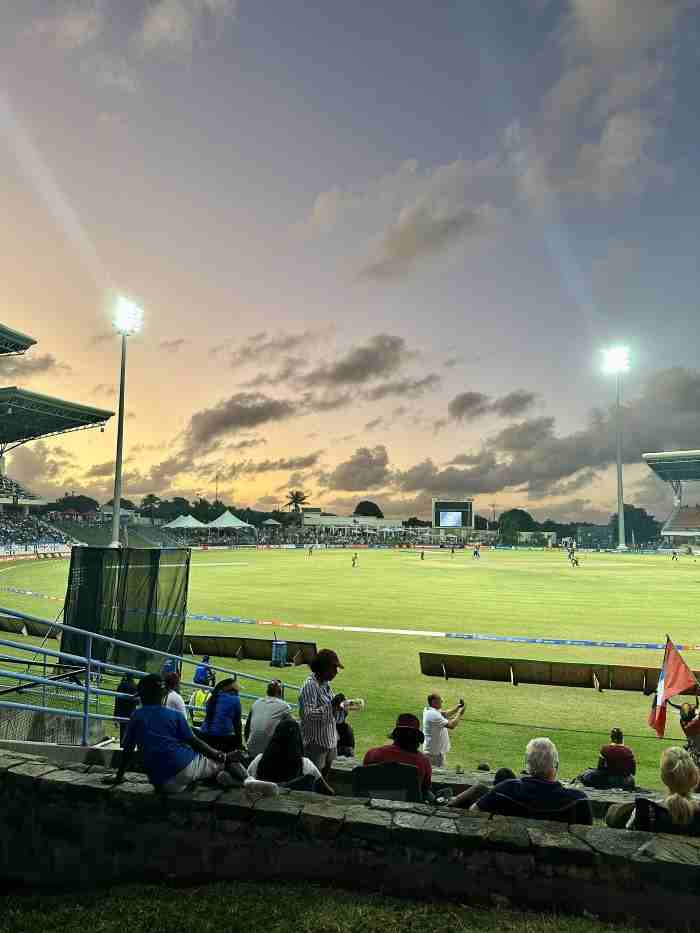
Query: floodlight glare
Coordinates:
[128,317]
[616,360]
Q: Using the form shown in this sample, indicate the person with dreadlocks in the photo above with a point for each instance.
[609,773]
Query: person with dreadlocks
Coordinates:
[173,757]
[222,723]
[283,761]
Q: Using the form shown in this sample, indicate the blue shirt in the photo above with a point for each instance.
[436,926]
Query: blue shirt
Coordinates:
[201,674]
[161,735]
[227,716]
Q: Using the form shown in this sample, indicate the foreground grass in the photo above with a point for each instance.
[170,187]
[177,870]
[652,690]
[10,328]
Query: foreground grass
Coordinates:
[611,597]
[278,908]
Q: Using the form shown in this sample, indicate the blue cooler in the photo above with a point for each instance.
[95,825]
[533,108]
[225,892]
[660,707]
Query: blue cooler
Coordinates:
[279,654]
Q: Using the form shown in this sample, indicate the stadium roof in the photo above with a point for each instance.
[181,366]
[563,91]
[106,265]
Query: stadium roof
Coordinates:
[11,341]
[675,465]
[25,416]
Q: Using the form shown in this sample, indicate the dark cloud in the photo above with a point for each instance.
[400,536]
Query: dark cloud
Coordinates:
[172,346]
[263,346]
[374,424]
[379,357]
[523,436]
[585,478]
[368,468]
[514,404]
[423,230]
[247,444]
[242,411]
[283,463]
[470,405]
[101,470]
[292,368]
[26,367]
[41,468]
[412,388]
[327,401]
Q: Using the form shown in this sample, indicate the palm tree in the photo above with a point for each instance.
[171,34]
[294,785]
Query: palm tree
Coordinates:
[295,499]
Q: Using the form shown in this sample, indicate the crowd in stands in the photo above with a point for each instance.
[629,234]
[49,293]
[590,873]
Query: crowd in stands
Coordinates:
[206,740]
[22,531]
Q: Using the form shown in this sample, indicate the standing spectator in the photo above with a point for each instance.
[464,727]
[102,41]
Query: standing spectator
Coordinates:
[197,705]
[203,674]
[539,795]
[222,724]
[316,711]
[436,725]
[124,706]
[264,717]
[173,758]
[173,700]
[407,737]
[616,765]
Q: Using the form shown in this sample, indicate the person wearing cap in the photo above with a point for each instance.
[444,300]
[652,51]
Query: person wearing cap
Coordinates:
[264,717]
[407,737]
[317,713]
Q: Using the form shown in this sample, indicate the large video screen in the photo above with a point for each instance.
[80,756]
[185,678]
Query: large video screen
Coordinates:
[450,519]
[452,513]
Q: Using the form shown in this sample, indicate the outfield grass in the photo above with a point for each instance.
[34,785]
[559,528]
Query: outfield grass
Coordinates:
[246,906]
[609,597]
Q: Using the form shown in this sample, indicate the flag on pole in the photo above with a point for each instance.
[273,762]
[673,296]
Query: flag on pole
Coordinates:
[675,677]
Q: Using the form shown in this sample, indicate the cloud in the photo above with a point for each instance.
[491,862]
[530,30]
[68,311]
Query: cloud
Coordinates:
[242,411]
[291,370]
[367,468]
[27,367]
[70,27]
[425,229]
[467,406]
[523,436]
[380,356]
[175,27]
[412,388]
[41,468]
[303,462]
[263,346]
[247,444]
[374,424]
[100,470]
[104,389]
[172,346]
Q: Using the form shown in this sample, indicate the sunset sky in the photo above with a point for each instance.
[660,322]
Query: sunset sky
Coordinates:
[379,245]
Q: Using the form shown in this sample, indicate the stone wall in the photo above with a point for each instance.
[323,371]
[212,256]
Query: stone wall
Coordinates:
[63,827]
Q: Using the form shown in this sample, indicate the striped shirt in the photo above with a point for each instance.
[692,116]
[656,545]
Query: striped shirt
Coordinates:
[316,714]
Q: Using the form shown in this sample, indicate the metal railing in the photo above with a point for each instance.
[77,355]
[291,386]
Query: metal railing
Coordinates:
[93,670]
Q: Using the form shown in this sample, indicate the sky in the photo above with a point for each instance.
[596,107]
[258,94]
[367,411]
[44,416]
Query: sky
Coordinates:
[379,245]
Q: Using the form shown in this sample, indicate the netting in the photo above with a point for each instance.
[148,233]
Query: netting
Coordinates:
[133,594]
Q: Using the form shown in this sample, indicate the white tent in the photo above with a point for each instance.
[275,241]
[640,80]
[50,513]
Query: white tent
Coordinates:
[271,522]
[228,520]
[185,521]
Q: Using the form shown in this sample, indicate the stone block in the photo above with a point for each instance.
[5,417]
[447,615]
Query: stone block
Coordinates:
[363,823]
[322,818]
[9,759]
[26,773]
[507,835]
[614,845]
[376,803]
[277,811]
[554,844]
[233,805]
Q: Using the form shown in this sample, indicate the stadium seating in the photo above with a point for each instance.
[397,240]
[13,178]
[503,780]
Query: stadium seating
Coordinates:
[21,530]
[684,520]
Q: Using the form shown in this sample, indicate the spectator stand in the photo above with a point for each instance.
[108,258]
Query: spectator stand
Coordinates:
[681,470]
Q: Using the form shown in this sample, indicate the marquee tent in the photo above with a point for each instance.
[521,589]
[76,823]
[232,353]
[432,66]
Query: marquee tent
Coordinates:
[228,521]
[270,522]
[185,521]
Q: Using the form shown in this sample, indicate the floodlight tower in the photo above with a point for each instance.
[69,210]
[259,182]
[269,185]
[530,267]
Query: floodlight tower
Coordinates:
[128,320]
[616,361]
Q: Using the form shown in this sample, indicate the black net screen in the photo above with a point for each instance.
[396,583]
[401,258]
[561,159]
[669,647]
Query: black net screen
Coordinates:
[135,594]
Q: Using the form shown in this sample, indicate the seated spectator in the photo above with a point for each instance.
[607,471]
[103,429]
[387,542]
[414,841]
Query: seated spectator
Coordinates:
[690,724]
[203,674]
[679,813]
[124,706]
[173,757]
[283,760]
[222,723]
[197,705]
[476,791]
[173,700]
[616,766]
[264,717]
[346,736]
[407,738]
[538,795]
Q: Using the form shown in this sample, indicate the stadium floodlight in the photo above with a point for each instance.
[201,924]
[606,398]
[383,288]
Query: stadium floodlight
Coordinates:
[128,317]
[128,320]
[616,361]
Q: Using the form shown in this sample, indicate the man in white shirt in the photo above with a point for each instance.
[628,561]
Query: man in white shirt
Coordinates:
[436,724]
[264,717]
[173,700]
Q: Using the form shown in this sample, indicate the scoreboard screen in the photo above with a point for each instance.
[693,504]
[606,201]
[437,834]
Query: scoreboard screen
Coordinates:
[452,514]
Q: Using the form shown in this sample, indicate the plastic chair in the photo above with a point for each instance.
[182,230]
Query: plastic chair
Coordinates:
[389,780]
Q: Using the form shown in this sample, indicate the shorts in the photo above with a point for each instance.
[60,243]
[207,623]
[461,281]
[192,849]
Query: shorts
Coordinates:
[438,761]
[199,769]
[323,758]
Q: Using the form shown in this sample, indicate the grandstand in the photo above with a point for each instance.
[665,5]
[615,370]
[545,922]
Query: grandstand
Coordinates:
[26,416]
[681,470]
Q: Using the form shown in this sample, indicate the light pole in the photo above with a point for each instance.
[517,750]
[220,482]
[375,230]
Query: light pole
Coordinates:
[616,362]
[128,319]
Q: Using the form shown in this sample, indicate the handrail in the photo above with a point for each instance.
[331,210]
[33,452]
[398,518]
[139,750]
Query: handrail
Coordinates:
[88,689]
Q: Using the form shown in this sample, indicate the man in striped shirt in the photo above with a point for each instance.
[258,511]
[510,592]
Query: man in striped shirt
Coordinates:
[317,713]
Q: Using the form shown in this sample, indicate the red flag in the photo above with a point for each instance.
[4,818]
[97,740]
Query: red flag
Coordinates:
[675,677]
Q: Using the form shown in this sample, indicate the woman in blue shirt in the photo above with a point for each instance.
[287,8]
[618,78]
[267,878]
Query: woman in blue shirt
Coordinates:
[222,724]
